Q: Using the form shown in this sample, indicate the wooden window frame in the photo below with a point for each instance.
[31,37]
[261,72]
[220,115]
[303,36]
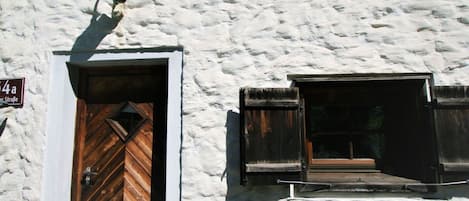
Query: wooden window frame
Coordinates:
[333,168]
[345,164]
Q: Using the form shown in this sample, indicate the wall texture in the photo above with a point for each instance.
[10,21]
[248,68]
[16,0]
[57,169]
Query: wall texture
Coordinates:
[228,44]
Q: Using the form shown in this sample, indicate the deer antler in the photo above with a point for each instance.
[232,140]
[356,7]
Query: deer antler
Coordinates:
[118,9]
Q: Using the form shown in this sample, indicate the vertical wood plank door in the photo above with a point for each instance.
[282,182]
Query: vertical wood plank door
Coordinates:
[113,153]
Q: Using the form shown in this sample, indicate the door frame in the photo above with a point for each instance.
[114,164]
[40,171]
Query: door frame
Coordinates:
[61,118]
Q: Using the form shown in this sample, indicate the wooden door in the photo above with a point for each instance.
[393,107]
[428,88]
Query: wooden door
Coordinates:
[113,153]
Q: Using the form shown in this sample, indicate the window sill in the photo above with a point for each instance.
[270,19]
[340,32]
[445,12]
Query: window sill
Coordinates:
[346,177]
[332,164]
[360,182]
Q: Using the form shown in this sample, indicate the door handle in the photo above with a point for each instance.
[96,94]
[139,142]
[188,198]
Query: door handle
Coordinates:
[87,180]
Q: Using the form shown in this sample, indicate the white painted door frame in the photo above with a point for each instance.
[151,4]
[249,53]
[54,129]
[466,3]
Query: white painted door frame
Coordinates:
[61,112]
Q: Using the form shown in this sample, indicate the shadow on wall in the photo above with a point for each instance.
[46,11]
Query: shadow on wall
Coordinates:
[100,26]
[236,192]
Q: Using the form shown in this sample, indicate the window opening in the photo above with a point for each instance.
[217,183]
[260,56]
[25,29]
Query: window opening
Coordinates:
[354,130]
[347,131]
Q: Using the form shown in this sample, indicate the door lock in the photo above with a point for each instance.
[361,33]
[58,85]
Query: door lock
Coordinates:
[87,180]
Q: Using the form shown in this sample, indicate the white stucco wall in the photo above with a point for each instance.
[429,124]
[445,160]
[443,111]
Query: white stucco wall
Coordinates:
[227,45]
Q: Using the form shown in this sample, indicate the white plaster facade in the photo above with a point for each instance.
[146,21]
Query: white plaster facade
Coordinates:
[227,44]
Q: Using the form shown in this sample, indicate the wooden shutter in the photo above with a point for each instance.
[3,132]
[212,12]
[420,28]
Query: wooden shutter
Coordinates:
[451,119]
[270,134]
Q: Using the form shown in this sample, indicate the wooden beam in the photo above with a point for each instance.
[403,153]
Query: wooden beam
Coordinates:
[343,164]
[455,167]
[357,77]
[273,167]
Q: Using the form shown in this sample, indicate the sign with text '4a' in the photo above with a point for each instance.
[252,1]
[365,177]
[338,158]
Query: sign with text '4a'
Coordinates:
[11,92]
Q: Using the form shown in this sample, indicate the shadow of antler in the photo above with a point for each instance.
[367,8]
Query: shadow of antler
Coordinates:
[100,26]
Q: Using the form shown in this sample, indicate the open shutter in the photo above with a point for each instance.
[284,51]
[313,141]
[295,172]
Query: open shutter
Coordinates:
[270,135]
[451,116]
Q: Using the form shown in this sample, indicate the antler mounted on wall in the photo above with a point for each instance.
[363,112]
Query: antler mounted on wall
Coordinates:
[118,9]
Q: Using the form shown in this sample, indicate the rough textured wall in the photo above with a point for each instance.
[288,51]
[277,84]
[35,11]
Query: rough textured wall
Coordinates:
[228,44]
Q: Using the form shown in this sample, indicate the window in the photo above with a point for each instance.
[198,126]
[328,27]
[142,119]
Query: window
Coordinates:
[357,128]
[344,136]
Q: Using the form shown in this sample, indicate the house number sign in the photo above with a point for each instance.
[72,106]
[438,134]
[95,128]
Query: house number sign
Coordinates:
[11,92]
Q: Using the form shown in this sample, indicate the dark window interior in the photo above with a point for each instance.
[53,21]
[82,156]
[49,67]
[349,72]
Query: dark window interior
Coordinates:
[380,125]
[346,131]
